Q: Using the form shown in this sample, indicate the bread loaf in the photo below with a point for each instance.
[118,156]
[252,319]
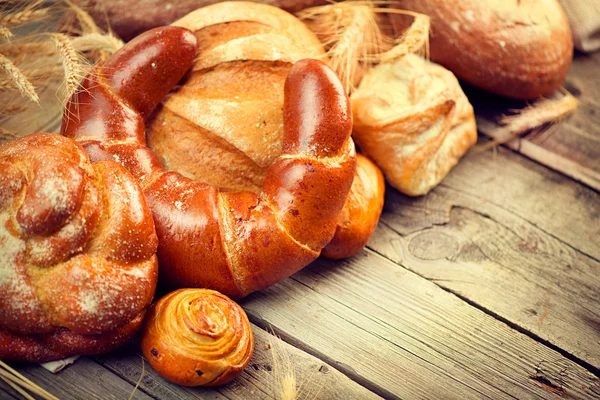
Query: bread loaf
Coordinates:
[413,119]
[78,265]
[228,115]
[235,242]
[128,19]
[514,48]
[197,337]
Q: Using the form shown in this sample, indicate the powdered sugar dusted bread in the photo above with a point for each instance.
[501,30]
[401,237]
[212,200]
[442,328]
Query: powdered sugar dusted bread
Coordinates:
[413,119]
[78,265]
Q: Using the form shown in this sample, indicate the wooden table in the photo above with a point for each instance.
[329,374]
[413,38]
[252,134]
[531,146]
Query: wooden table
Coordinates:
[488,287]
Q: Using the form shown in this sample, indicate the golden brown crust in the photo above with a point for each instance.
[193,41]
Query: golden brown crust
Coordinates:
[197,337]
[412,118]
[78,246]
[361,211]
[521,49]
[237,242]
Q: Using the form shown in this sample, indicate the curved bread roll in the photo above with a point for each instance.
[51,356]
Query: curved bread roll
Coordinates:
[238,242]
[78,265]
[521,49]
[413,119]
[361,211]
[197,337]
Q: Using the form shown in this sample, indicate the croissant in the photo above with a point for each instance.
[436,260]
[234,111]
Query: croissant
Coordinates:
[78,266]
[412,118]
[197,337]
[236,242]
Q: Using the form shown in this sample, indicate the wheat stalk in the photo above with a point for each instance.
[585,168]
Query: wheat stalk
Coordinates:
[18,79]
[351,33]
[97,41]
[71,61]
[30,13]
[9,374]
[543,115]
[413,40]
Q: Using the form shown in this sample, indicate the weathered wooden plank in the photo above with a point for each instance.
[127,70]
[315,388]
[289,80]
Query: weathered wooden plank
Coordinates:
[260,380]
[85,380]
[504,233]
[573,148]
[554,203]
[404,337]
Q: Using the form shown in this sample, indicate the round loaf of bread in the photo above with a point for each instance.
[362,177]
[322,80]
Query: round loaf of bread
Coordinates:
[78,266]
[224,125]
[515,48]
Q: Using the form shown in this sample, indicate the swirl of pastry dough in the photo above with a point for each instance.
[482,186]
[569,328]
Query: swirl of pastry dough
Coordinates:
[197,337]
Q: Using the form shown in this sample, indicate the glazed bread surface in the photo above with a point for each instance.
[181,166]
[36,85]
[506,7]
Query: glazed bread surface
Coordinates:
[78,266]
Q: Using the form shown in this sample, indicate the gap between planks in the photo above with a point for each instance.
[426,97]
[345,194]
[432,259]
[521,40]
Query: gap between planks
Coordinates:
[565,353]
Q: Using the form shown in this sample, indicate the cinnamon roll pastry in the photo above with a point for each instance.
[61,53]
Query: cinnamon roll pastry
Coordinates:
[197,337]
[77,251]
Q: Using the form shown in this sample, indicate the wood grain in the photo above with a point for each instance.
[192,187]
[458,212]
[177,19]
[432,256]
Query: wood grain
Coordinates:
[508,240]
[86,380]
[260,379]
[403,337]
[574,148]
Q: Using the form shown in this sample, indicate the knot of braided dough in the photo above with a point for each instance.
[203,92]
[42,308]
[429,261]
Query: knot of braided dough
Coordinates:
[78,266]
[235,243]
[197,337]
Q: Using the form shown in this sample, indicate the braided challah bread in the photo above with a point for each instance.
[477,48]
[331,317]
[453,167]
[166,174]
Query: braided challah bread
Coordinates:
[78,265]
[235,242]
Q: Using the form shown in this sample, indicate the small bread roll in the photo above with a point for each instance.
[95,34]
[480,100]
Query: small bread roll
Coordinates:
[197,337]
[412,118]
[361,211]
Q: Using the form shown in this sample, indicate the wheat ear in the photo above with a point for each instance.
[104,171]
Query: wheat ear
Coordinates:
[544,114]
[97,41]
[72,63]
[18,79]
[27,15]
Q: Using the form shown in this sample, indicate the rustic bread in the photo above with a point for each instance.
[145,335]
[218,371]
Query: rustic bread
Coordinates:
[130,18]
[78,265]
[227,117]
[521,49]
[412,118]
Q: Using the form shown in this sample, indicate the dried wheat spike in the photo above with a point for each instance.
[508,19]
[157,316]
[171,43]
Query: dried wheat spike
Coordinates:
[18,79]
